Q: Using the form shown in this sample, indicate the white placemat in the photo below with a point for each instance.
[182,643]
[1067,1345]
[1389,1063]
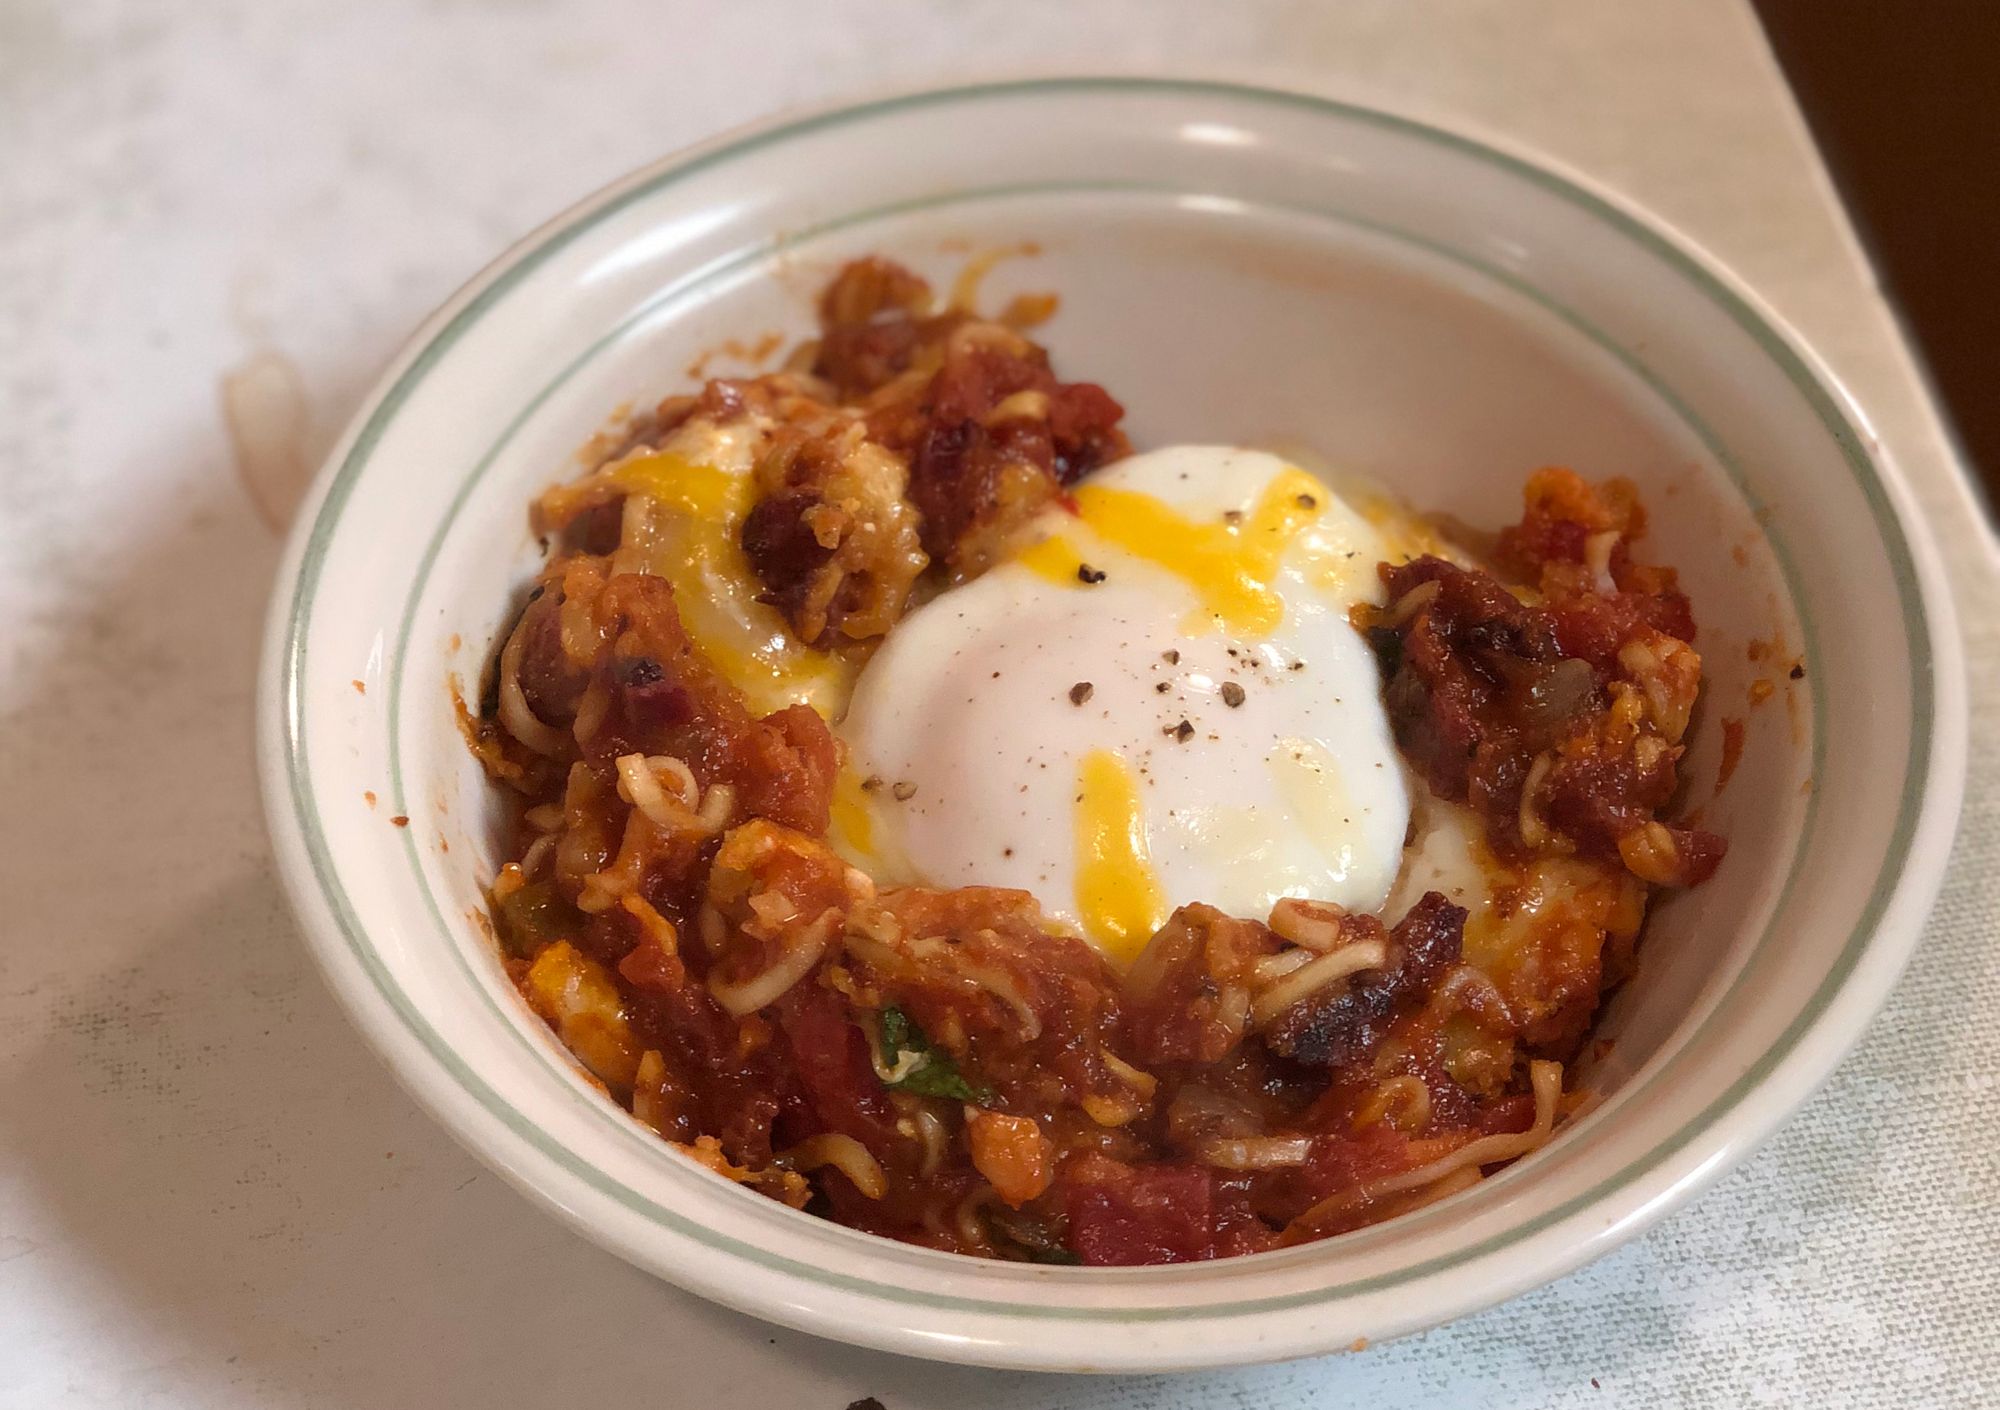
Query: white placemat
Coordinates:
[211,1195]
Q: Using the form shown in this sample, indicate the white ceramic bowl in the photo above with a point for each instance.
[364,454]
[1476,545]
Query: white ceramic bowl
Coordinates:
[1236,265]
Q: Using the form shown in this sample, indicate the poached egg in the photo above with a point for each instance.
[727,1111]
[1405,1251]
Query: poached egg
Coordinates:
[1158,699]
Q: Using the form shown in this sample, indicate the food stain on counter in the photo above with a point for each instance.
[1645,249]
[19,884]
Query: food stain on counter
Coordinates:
[264,408]
[1732,752]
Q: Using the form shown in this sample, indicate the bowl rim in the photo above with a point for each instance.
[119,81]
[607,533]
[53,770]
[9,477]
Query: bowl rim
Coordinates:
[1786,1072]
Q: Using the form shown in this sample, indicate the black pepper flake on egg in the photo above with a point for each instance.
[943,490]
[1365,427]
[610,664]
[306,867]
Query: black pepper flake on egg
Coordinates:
[1087,574]
[1232,516]
[1297,666]
[1080,692]
[1232,694]
[1306,501]
[1171,657]
[903,792]
[871,783]
[1798,671]
[1163,687]
[1181,732]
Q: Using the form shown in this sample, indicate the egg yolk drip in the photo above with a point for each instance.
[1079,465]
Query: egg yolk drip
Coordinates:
[685,517]
[851,824]
[1231,565]
[1118,896]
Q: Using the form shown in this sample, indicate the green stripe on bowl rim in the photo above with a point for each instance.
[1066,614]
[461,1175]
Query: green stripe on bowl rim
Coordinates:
[1826,407]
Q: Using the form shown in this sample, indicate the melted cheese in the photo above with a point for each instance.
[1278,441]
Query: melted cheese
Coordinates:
[684,514]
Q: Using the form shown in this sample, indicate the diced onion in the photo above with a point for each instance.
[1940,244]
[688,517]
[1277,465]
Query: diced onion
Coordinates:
[646,1084]
[709,925]
[545,818]
[591,710]
[1232,1009]
[716,807]
[577,625]
[1597,557]
[537,853]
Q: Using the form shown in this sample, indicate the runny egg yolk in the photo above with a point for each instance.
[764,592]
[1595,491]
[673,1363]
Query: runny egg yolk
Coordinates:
[703,491]
[1117,891]
[1159,700]
[1230,563]
[851,821]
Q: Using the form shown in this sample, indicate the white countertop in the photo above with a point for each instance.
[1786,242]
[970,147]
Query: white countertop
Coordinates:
[211,1195]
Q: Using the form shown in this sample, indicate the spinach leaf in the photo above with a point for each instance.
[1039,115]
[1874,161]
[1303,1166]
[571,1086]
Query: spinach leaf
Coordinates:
[933,1074]
[534,916]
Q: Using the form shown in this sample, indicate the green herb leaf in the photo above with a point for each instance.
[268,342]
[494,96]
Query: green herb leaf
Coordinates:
[936,1075]
[940,1078]
[534,916]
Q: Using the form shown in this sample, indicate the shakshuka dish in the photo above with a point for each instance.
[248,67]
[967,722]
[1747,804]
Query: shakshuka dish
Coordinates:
[934,813]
